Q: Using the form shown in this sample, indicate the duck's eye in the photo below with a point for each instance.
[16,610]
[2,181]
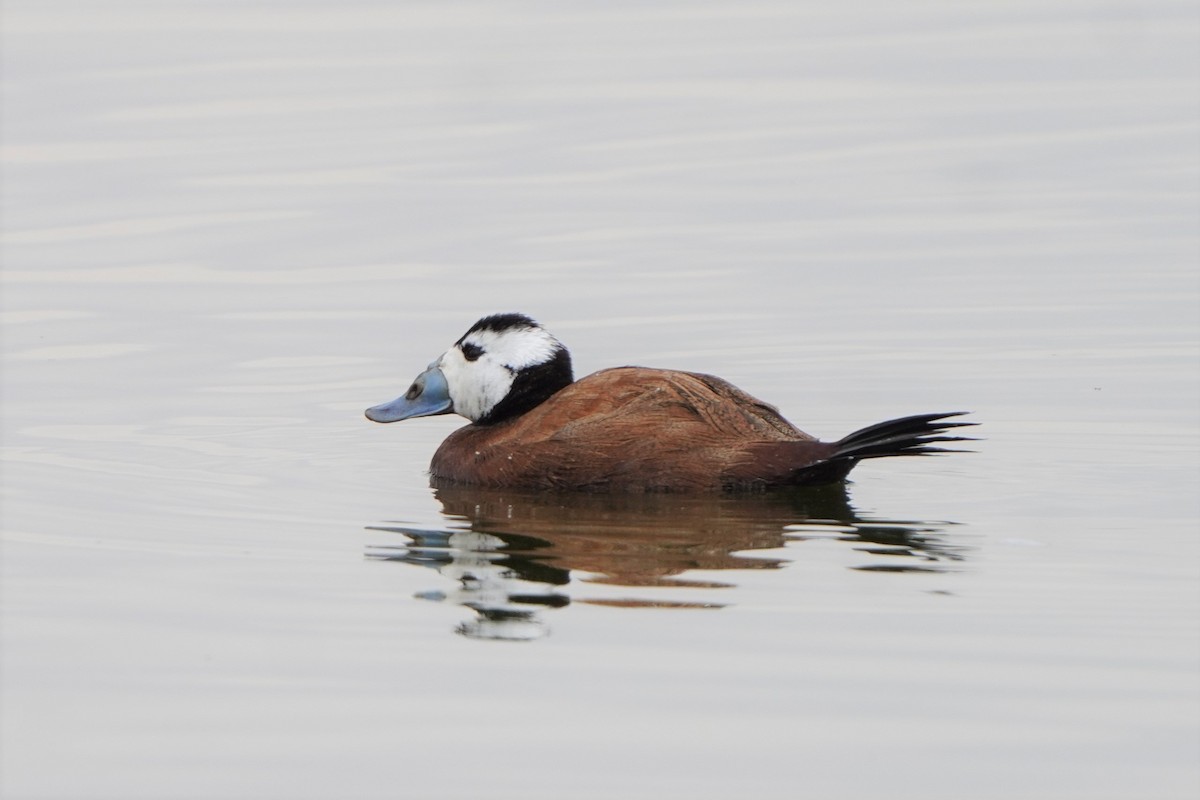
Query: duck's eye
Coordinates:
[471,352]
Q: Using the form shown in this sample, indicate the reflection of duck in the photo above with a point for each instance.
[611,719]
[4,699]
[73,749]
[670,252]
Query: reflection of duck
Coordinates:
[512,553]
[630,428]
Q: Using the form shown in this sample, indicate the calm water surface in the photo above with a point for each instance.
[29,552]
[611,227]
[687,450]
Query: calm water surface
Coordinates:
[228,228]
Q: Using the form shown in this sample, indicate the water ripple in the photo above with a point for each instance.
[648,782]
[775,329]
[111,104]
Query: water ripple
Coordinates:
[511,556]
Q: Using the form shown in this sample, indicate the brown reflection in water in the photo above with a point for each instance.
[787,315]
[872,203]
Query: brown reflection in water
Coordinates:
[510,553]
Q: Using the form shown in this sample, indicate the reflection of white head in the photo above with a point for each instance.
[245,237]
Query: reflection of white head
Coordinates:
[504,365]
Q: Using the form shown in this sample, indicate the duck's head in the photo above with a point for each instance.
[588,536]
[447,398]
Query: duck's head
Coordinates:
[503,366]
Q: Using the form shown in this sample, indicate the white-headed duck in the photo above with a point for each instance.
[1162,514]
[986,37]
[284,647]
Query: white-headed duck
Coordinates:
[622,429]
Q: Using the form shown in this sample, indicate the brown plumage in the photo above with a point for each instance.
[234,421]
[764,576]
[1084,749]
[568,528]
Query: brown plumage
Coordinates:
[622,429]
[639,429]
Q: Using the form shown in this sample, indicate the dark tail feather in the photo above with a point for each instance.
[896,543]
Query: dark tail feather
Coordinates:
[907,436]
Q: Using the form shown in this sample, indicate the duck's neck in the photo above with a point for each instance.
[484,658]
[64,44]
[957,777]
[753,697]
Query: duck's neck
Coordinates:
[531,387]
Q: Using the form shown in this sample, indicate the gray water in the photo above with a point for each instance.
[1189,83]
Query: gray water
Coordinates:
[230,227]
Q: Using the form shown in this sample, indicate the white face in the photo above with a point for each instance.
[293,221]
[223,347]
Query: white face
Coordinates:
[480,371]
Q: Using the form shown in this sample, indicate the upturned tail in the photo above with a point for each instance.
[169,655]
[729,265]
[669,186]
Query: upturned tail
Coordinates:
[907,436]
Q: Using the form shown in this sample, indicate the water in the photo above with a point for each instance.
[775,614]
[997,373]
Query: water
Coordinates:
[229,228]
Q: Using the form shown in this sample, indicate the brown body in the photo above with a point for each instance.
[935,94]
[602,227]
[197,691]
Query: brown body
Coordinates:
[637,429]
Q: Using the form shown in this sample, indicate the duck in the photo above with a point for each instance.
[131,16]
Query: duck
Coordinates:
[623,429]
